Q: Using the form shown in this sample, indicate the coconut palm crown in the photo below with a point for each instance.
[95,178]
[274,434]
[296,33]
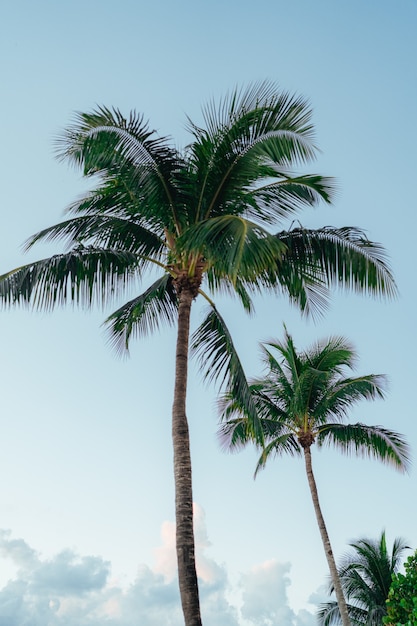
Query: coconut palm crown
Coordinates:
[303,400]
[366,576]
[197,222]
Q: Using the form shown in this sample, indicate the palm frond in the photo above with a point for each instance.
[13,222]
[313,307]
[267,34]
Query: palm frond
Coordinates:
[367,441]
[105,142]
[84,276]
[214,349]
[342,257]
[287,195]
[236,433]
[238,289]
[144,314]
[249,130]
[338,398]
[331,355]
[291,359]
[123,195]
[366,575]
[328,614]
[284,444]
[105,232]
[302,285]
[233,247]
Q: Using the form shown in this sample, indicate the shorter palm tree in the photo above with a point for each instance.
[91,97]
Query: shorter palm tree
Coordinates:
[366,576]
[304,399]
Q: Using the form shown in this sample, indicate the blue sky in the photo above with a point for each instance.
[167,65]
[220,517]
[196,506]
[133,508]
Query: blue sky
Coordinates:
[86,463]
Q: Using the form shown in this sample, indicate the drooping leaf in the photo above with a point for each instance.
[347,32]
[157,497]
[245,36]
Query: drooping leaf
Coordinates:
[144,314]
[214,349]
[367,441]
[84,276]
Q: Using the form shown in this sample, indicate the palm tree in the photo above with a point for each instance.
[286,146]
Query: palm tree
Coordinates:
[366,576]
[202,219]
[303,400]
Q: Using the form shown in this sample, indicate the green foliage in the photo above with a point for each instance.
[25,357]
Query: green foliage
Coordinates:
[304,399]
[402,597]
[215,214]
[365,574]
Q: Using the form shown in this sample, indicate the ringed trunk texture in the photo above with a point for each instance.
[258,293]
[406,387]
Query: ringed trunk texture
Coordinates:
[187,574]
[326,540]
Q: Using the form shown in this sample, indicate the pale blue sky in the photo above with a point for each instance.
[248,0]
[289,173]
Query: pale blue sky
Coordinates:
[86,463]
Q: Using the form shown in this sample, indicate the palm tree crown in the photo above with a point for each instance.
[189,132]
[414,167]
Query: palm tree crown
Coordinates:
[305,398]
[205,220]
[204,214]
[366,576]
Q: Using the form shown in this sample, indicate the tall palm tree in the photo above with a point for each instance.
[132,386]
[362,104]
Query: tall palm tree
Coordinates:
[366,576]
[205,219]
[304,400]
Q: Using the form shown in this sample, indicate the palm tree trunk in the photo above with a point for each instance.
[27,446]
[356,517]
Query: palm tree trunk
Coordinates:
[187,574]
[326,541]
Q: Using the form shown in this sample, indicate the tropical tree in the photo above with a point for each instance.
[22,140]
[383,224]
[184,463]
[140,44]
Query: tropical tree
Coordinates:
[205,219]
[402,596]
[304,400]
[365,574]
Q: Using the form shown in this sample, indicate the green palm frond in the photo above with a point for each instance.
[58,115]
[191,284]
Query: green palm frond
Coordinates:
[316,260]
[107,233]
[113,197]
[339,257]
[237,433]
[367,441]
[106,143]
[233,247]
[338,398]
[280,445]
[84,276]
[329,615]
[248,117]
[292,362]
[272,408]
[279,381]
[331,356]
[102,138]
[250,129]
[144,314]
[366,575]
[213,347]
[242,290]
[302,285]
[283,197]
[123,196]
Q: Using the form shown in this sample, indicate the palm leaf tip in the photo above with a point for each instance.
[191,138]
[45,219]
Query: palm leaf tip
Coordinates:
[143,315]
[376,442]
[341,257]
[233,435]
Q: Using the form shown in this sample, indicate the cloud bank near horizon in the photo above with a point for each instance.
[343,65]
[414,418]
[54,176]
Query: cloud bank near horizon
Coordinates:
[74,590]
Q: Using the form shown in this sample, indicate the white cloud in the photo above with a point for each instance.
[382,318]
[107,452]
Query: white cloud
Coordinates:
[265,600]
[17,550]
[73,590]
[165,557]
